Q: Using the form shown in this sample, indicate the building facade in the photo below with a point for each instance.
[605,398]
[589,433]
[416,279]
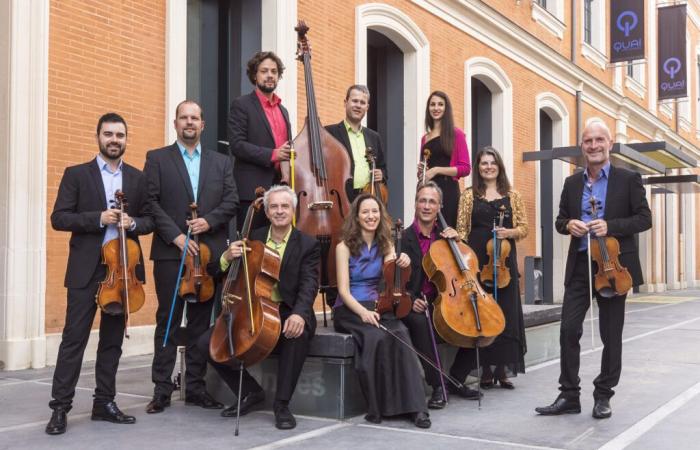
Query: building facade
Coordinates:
[523,75]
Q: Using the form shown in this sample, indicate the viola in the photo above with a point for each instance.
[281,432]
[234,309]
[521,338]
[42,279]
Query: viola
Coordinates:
[321,171]
[394,297]
[196,284]
[498,251]
[121,292]
[426,158]
[612,278]
[376,188]
[249,324]
[465,315]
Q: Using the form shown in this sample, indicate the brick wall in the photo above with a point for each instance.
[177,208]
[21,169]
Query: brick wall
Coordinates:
[103,56]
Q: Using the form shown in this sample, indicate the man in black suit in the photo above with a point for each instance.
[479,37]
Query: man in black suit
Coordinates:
[356,139]
[295,293]
[415,242]
[83,208]
[259,131]
[178,175]
[623,212]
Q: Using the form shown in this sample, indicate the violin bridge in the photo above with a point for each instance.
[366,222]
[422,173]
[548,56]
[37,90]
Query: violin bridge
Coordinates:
[317,206]
[232,299]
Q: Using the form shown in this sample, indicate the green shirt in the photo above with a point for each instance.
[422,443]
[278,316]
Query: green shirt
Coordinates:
[357,143]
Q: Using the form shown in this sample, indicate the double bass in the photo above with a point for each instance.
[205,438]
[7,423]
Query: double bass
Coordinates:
[394,297]
[121,292]
[249,324]
[465,315]
[321,171]
[612,277]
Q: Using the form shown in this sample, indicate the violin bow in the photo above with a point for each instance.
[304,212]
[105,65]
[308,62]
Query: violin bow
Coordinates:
[435,349]
[590,270]
[177,287]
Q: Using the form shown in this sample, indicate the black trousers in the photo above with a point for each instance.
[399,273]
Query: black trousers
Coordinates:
[198,318]
[420,330]
[291,356]
[611,312]
[80,314]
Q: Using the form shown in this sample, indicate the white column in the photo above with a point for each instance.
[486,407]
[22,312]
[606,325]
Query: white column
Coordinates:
[658,229]
[279,17]
[24,45]
[672,247]
[645,255]
[689,237]
[175,62]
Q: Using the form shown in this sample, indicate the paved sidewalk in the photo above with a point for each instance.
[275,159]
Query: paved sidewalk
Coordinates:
[656,405]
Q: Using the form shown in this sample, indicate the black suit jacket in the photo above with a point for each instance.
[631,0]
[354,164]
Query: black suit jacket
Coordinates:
[299,273]
[251,142]
[80,201]
[372,139]
[626,212]
[411,247]
[170,194]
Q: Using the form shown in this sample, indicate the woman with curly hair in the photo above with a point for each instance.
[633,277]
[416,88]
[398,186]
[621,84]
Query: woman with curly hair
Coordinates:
[389,373]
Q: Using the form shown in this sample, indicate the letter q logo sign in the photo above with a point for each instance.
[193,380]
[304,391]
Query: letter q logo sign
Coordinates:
[672,66]
[626,22]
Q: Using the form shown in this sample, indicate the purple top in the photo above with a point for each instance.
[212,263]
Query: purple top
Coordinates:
[424,242]
[460,154]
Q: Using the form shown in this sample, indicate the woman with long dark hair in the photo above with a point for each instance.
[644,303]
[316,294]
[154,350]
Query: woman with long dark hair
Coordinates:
[479,206]
[389,373]
[449,154]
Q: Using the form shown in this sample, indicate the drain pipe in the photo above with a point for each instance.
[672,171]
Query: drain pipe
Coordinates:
[579,113]
[574,28]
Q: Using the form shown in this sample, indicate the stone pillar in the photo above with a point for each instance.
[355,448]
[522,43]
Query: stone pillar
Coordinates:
[24,47]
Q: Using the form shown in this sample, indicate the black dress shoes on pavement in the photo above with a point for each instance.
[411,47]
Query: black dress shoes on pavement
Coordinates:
[437,399]
[601,408]
[248,403]
[202,399]
[422,420]
[110,412]
[158,404]
[560,406]
[464,392]
[284,420]
[58,422]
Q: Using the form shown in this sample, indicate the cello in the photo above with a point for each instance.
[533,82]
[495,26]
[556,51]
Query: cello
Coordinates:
[249,324]
[196,284]
[321,171]
[121,292]
[394,297]
[497,250]
[376,188]
[612,278]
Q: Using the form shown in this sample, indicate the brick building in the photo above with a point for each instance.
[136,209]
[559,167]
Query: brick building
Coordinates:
[522,75]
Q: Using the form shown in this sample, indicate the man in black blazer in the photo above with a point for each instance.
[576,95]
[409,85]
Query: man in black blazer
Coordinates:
[415,242]
[356,139]
[85,207]
[259,131]
[178,175]
[295,293]
[624,212]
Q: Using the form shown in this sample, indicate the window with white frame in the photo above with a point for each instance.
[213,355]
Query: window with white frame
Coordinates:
[594,32]
[550,14]
[636,77]
[684,103]
[697,92]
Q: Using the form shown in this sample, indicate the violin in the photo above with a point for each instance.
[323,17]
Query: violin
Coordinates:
[376,188]
[394,297]
[612,278]
[121,292]
[498,250]
[322,169]
[426,157]
[249,324]
[196,284]
[465,315]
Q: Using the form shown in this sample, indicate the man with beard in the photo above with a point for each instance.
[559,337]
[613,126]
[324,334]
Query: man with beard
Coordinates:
[259,131]
[85,207]
[357,139]
[178,175]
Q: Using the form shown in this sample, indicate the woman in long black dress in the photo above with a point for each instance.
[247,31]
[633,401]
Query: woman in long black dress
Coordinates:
[478,207]
[449,155]
[389,373]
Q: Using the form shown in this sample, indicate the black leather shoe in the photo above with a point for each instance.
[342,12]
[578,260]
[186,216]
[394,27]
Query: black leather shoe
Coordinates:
[58,422]
[464,392]
[601,408]
[202,399]
[110,412]
[560,406]
[437,400]
[248,403]
[284,420]
[422,420]
[373,418]
[158,404]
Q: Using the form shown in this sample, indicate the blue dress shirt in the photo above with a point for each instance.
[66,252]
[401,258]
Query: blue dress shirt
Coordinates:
[192,163]
[597,189]
[112,182]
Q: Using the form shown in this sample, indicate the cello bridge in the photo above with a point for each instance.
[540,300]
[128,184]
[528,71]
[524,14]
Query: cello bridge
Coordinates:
[317,206]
